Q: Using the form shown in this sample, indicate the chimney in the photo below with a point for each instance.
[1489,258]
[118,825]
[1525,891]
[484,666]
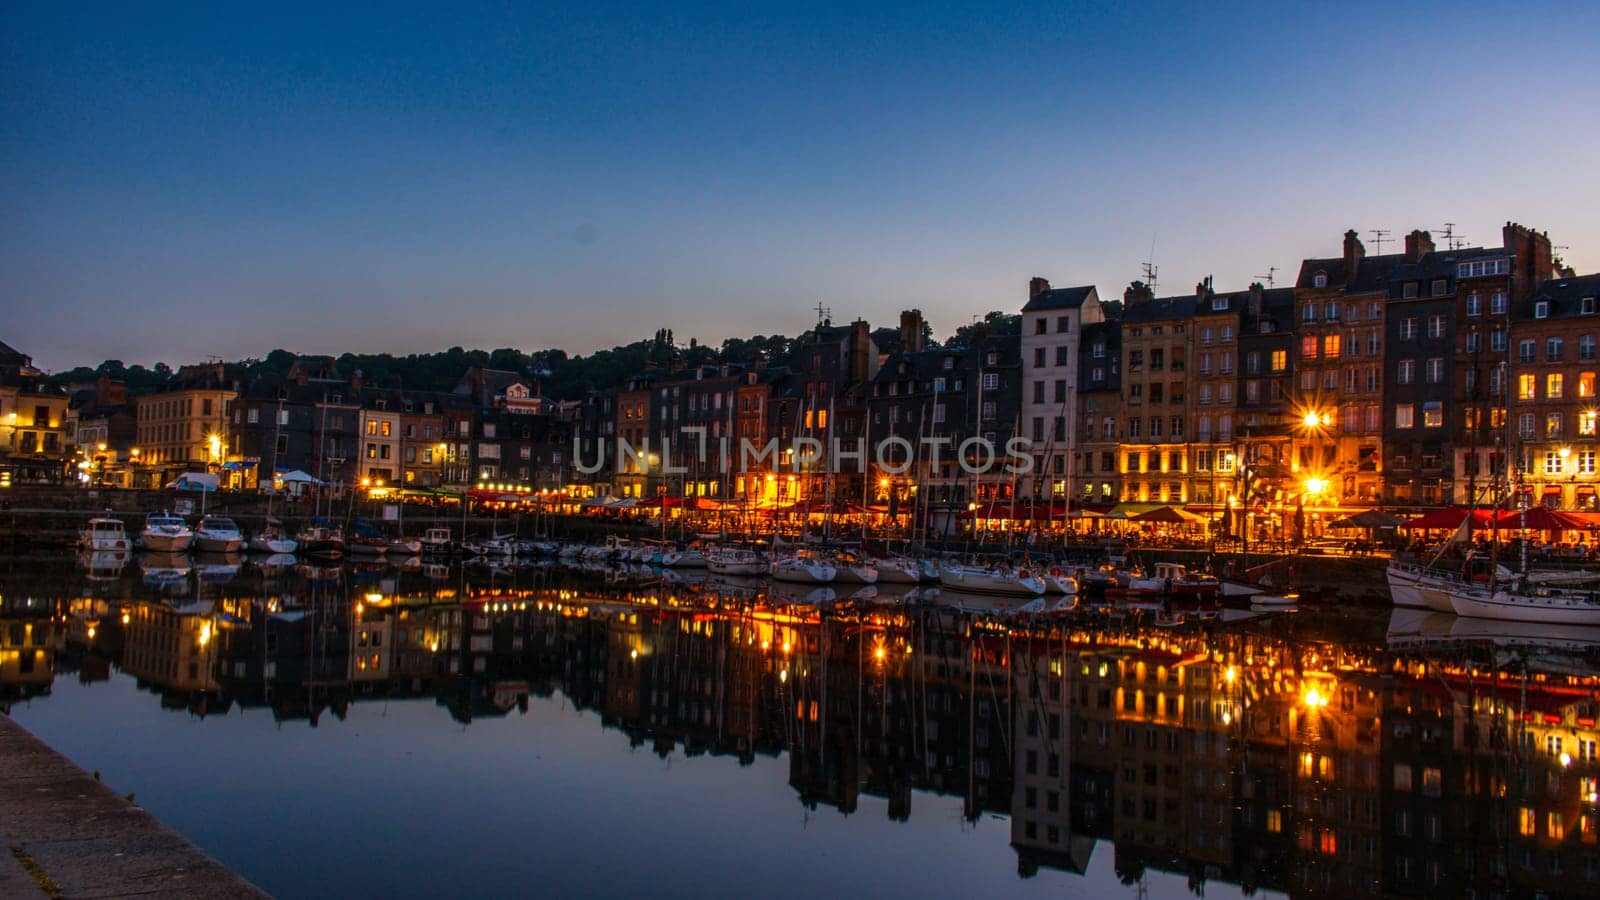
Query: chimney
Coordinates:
[1535,259]
[860,351]
[1419,243]
[1037,286]
[355,380]
[1257,294]
[1354,252]
[1136,292]
[1202,289]
[911,330]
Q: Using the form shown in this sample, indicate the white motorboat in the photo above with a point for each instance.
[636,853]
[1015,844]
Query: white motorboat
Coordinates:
[402,547]
[497,547]
[900,570]
[1551,607]
[687,558]
[165,533]
[218,534]
[1274,601]
[851,569]
[1000,579]
[271,539]
[103,534]
[802,567]
[1057,580]
[1176,582]
[735,561]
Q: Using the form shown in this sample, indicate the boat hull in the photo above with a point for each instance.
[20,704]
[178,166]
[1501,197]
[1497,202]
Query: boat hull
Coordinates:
[166,543]
[1511,608]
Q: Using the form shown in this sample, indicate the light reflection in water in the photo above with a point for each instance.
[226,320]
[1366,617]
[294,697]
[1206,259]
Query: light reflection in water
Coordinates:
[1292,753]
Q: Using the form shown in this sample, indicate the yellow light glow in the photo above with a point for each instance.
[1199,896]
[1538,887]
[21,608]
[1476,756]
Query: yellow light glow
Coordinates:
[125,618]
[1316,485]
[783,674]
[1565,452]
[1231,675]
[786,647]
[1310,419]
[633,654]
[1566,760]
[879,653]
[1313,699]
[91,632]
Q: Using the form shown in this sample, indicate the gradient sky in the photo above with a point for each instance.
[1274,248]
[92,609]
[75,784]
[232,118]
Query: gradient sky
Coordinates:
[178,182]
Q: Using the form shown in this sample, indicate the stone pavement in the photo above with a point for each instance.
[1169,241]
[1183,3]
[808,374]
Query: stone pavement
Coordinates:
[64,834]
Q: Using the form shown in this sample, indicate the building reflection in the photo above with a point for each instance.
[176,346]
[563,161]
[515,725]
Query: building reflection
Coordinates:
[1276,754]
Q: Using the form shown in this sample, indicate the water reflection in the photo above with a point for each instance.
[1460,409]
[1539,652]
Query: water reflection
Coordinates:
[1297,752]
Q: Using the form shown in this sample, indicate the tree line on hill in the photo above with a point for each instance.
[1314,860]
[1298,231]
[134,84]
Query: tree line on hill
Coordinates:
[561,376]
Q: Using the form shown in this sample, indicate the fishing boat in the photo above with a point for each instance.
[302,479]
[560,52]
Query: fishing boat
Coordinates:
[103,534]
[1175,583]
[322,540]
[996,579]
[436,541]
[218,534]
[802,567]
[735,561]
[272,539]
[368,543]
[165,533]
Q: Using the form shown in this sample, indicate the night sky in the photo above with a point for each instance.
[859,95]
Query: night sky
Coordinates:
[180,182]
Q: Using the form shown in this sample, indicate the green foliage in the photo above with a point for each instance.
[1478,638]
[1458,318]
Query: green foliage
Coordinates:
[996,322]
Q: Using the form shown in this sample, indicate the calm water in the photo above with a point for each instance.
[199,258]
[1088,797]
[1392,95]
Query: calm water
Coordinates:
[498,732]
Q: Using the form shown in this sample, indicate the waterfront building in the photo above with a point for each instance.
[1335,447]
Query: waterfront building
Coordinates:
[1553,379]
[184,426]
[1098,478]
[1052,320]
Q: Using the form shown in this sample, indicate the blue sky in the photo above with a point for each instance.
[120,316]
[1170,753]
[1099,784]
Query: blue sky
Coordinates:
[179,182]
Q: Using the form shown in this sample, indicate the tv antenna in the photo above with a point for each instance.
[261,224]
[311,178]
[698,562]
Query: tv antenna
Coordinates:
[1271,270]
[824,314]
[1452,240]
[1149,267]
[1380,236]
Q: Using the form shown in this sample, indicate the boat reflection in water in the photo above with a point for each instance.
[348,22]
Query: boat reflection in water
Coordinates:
[1290,752]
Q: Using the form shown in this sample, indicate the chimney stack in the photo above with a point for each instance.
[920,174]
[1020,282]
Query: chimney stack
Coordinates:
[1419,243]
[911,331]
[860,351]
[1257,294]
[1354,252]
[1037,286]
[1535,258]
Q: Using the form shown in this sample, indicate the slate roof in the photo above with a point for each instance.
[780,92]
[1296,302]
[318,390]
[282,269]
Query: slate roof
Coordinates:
[1160,309]
[1372,273]
[1565,296]
[1059,298]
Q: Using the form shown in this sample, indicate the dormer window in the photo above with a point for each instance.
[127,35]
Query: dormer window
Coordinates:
[1319,280]
[993,359]
[949,363]
[379,404]
[1541,309]
[1219,304]
[1586,306]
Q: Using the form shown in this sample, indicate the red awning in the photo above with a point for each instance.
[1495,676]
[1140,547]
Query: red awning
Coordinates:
[1541,518]
[1449,517]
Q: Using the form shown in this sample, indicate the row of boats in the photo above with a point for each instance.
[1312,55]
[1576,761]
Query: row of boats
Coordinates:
[166,532]
[1171,582]
[1555,597]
